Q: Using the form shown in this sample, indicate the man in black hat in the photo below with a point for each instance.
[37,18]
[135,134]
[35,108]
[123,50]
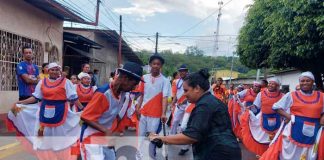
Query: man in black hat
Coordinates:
[180,103]
[153,103]
[102,110]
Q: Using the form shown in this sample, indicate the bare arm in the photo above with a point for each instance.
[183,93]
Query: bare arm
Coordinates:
[179,139]
[29,80]
[284,114]
[97,126]
[78,104]
[164,108]
[30,100]
[322,120]
[138,106]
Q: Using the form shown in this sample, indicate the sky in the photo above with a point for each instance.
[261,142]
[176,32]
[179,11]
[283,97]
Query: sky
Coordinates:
[180,23]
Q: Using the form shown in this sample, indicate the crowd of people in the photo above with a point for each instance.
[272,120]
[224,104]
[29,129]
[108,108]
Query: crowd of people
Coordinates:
[60,118]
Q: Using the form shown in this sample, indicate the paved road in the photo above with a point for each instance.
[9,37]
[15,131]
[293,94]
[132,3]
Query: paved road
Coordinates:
[10,149]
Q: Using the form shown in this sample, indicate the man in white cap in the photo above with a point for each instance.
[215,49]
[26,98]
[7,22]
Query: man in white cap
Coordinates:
[303,111]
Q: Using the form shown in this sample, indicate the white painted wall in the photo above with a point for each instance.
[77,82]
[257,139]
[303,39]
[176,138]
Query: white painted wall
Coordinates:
[19,17]
[289,78]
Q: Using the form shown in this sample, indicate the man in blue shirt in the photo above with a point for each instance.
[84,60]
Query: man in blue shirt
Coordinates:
[27,74]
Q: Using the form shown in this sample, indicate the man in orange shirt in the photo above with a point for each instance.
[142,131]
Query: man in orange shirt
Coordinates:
[102,111]
[153,103]
[231,92]
[219,89]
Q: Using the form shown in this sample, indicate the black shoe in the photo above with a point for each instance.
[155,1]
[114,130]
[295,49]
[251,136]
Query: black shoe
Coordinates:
[183,152]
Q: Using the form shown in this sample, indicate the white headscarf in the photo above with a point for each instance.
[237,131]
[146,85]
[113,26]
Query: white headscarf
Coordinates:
[307,74]
[274,79]
[53,65]
[82,75]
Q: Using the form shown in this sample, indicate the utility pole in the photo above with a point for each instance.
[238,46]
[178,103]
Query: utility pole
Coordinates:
[120,42]
[156,42]
[220,3]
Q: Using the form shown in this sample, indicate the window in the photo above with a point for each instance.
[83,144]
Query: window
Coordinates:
[10,55]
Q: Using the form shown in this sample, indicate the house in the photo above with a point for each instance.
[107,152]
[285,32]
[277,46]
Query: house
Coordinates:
[289,79]
[103,58]
[37,23]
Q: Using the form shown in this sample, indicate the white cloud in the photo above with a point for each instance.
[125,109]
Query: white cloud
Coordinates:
[232,18]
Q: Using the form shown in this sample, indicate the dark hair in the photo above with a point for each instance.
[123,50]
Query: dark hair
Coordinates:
[90,72]
[265,81]
[95,71]
[25,47]
[199,78]
[82,66]
[43,65]
[112,74]
[174,75]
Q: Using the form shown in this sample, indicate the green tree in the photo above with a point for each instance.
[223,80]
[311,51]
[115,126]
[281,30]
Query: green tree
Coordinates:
[284,34]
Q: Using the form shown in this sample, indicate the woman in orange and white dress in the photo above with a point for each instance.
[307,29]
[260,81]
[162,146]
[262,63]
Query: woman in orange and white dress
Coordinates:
[237,104]
[301,137]
[260,123]
[84,90]
[50,126]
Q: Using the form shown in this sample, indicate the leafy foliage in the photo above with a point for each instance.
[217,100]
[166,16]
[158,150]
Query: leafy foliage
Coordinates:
[194,58]
[283,34]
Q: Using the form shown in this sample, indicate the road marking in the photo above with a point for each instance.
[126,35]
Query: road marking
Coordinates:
[8,146]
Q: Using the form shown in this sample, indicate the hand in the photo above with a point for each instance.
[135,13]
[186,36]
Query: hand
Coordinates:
[153,136]
[322,120]
[287,120]
[138,113]
[15,109]
[163,118]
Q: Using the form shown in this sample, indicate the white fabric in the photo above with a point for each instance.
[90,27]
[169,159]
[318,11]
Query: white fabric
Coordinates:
[185,120]
[274,79]
[307,74]
[257,100]
[83,74]
[256,129]
[70,89]
[179,82]
[242,93]
[53,65]
[98,152]
[55,138]
[290,151]
[146,125]
[124,108]
[154,86]
[256,83]
[176,119]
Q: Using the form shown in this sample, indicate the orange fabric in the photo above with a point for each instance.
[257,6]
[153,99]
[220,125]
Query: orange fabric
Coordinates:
[313,110]
[140,87]
[96,107]
[190,108]
[320,154]
[174,88]
[153,108]
[273,151]
[249,142]
[219,92]
[268,99]
[55,93]
[250,96]
[233,106]
[181,99]
[84,94]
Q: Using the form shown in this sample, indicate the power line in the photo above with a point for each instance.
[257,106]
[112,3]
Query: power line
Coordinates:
[195,25]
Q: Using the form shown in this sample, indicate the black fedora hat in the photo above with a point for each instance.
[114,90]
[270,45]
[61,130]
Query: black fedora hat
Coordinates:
[156,56]
[132,69]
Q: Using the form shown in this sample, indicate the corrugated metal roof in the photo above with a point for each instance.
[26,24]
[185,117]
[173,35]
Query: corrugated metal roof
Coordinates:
[56,9]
